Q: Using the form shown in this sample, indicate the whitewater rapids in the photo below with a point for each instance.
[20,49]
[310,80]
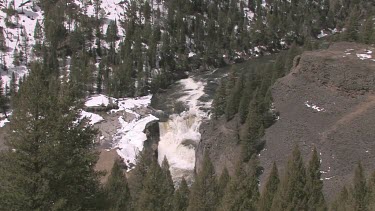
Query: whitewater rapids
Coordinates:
[180,134]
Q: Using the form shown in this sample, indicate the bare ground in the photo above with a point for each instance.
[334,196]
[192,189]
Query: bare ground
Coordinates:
[340,82]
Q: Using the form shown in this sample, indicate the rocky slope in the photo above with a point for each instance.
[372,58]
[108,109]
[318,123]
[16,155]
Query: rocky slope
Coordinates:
[327,101]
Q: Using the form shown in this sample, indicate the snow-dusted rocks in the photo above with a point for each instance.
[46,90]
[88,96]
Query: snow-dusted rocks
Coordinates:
[314,107]
[94,118]
[129,104]
[100,100]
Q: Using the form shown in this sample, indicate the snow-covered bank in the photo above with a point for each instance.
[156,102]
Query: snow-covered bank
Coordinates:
[94,118]
[179,135]
[131,137]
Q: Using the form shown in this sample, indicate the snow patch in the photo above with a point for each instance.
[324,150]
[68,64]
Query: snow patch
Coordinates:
[100,100]
[126,104]
[3,122]
[364,56]
[322,34]
[94,118]
[131,137]
[313,106]
[191,54]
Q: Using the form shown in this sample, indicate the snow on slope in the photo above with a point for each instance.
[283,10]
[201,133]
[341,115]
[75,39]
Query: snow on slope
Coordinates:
[27,17]
[130,137]
[97,101]
[94,118]
[111,10]
[14,37]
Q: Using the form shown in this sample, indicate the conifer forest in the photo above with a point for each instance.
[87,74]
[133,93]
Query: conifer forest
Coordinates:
[187,105]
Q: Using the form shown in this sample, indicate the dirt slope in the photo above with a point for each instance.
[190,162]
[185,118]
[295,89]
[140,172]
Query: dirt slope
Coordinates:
[327,101]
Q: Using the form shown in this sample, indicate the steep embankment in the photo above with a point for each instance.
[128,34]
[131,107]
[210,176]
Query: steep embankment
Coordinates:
[327,101]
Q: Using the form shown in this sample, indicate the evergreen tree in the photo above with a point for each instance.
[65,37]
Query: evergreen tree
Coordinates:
[2,40]
[219,101]
[167,183]
[13,85]
[242,192]
[223,182]
[360,190]
[352,26]
[234,98]
[3,99]
[367,31]
[291,193]
[270,190]
[203,196]
[139,173]
[253,130]
[246,97]
[314,184]
[16,57]
[156,193]
[181,197]
[51,158]
[118,193]
[343,202]
[371,185]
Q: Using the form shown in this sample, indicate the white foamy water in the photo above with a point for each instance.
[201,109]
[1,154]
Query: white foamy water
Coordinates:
[180,133]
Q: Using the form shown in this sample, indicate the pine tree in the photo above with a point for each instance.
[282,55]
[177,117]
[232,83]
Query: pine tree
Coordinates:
[314,184]
[270,190]
[3,99]
[253,130]
[51,158]
[367,31]
[291,193]
[118,193]
[167,183]
[360,189]
[2,40]
[242,192]
[16,58]
[223,183]
[371,196]
[25,45]
[139,173]
[246,97]
[181,197]
[219,101]
[343,201]
[234,98]
[352,26]
[203,196]
[13,85]
[156,193]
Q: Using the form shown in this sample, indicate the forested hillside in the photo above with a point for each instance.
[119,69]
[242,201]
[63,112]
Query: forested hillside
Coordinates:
[54,54]
[127,48]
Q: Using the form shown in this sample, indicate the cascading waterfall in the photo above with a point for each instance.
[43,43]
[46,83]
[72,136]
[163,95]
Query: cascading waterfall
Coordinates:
[180,134]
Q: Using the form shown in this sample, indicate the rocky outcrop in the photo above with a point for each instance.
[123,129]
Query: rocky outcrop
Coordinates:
[220,139]
[327,101]
[153,137]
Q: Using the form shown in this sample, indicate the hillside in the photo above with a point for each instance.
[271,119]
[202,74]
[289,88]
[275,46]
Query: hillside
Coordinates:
[327,101]
[187,105]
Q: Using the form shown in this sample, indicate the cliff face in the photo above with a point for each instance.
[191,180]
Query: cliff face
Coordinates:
[220,139]
[327,101]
